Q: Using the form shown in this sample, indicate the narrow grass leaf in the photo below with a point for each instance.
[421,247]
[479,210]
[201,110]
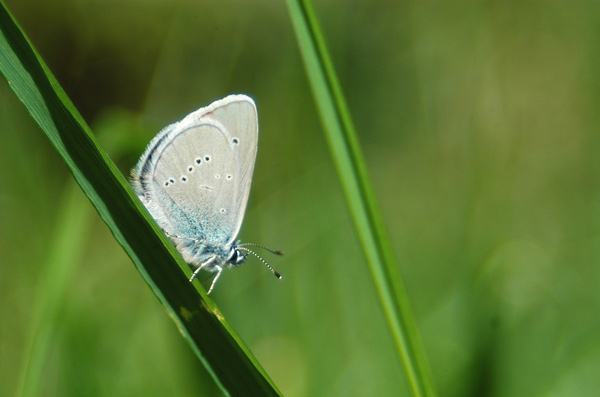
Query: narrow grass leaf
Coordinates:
[350,164]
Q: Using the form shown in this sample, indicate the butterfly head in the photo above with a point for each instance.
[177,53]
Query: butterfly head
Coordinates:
[236,256]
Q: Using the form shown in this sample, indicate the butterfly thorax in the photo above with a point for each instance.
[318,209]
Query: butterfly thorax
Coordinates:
[198,253]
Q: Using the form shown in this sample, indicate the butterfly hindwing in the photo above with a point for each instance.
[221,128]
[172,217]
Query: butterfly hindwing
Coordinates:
[196,174]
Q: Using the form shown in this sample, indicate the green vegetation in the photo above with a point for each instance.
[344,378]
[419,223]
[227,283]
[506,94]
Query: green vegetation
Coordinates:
[478,126]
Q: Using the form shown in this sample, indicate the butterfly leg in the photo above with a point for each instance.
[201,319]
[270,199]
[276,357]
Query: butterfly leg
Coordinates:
[202,266]
[219,269]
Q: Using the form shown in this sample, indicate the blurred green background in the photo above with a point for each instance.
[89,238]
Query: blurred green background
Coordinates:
[479,123]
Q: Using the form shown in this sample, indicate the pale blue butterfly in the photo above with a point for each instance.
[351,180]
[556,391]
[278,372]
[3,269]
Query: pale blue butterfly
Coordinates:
[194,178]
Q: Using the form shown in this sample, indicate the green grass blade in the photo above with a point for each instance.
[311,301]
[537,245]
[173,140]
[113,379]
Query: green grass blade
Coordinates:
[211,337]
[351,168]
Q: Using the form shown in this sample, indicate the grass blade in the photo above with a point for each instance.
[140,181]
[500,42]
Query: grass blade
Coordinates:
[351,168]
[211,337]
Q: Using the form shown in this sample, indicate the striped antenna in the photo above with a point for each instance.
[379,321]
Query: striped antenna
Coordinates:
[261,246]
[262,260]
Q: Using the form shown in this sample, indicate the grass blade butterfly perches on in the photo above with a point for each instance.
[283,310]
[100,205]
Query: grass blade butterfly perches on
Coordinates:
[212,338]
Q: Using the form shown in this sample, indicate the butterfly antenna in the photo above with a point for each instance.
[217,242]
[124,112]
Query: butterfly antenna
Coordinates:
[262,260]
[263,247]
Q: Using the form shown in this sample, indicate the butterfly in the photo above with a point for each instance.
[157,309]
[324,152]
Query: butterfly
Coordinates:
[194,178]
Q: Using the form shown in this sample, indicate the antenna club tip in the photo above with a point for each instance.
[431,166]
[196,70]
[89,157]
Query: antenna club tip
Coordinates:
[279,276]
[278,252]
